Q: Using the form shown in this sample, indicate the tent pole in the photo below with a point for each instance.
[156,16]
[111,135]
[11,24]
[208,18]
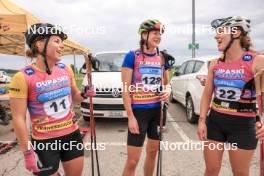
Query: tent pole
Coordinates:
[74,63]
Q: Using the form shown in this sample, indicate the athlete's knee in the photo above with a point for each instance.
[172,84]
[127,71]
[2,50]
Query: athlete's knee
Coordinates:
[152,152]
[240,172]
[132,162]
[212,171]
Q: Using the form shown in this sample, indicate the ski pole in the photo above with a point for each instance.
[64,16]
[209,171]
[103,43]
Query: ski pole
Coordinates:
[259,80]
[88,61]
[160,130]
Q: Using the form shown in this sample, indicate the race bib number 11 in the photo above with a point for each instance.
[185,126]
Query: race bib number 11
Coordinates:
[57,108]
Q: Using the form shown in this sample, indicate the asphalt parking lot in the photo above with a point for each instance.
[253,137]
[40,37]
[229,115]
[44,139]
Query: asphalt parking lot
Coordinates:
[111,134]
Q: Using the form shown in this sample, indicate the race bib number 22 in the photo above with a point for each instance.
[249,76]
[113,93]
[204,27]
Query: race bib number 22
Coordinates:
[228,93]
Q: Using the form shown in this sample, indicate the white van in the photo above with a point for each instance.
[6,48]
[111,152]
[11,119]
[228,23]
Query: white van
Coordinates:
[108,101]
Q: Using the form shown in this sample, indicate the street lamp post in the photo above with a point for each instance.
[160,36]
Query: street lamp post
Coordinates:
[193,29]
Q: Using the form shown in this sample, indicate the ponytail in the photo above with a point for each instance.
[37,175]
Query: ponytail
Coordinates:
[246,42]
[33,50]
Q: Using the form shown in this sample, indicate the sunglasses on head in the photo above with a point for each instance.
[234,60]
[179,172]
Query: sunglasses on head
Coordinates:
[219,22]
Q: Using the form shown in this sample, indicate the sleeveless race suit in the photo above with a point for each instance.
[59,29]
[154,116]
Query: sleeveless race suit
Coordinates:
[146,79]
[49,99]
[234,90]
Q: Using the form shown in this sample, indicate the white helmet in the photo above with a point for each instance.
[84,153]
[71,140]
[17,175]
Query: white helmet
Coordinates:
[232,22]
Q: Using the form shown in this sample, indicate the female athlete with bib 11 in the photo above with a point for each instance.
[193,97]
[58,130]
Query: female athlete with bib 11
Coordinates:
[47,89]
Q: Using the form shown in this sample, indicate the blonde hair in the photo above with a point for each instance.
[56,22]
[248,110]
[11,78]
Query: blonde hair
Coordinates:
[245,41]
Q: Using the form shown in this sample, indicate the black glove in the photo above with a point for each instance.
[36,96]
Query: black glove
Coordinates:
[169,59]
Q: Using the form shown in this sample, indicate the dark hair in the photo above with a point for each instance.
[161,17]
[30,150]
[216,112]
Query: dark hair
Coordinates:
[141,44]
[33,50]
[31,53]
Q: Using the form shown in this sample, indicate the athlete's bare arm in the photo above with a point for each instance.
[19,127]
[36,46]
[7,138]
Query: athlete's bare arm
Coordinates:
[19,109]
[207,93]
[258,63]
[76,94]
[126,81]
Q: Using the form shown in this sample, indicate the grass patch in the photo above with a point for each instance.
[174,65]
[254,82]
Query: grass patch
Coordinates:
[79,79]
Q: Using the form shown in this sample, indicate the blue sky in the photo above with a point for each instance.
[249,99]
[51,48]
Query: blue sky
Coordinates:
[112,25]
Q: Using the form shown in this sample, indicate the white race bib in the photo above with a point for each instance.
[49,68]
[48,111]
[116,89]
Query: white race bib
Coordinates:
[151,79]
[57,108]
[228,93]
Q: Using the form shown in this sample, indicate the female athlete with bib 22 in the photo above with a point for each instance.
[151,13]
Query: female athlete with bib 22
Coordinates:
[143,71]
[232,117]
[47,89]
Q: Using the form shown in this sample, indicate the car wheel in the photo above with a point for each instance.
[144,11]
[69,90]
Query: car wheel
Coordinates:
[191,117]
[86,118]
[171,99]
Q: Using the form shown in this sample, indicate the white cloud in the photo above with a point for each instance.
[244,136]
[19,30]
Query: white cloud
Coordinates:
[113,24]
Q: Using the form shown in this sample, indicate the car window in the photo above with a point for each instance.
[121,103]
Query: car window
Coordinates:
[189,68]
[182,68]
[198,65]
[110,62]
